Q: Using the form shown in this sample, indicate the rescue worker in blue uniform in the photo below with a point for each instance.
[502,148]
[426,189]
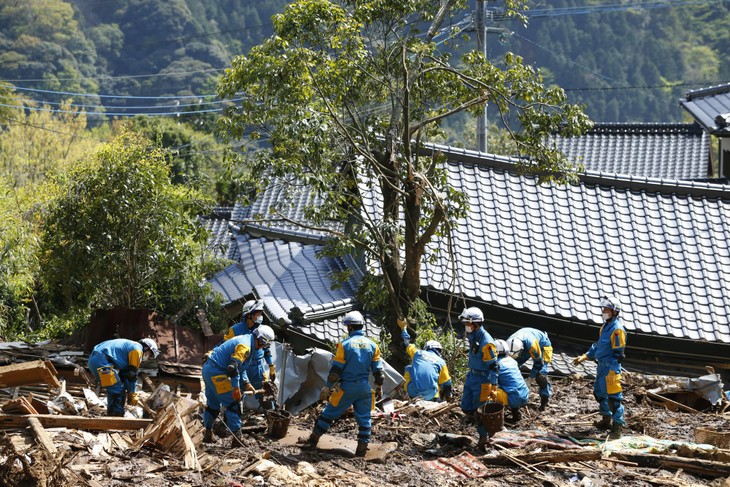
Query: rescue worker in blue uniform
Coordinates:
[115,364]
[608,351]
[348,383]
[428,375]
[513,391]
[530,343]
[253,316]
[480,385]
[225,377]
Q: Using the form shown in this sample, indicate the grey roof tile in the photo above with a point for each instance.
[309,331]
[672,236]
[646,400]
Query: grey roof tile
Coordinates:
[280,212]
[673,151]
[547,249]
[286,275]
[710,107]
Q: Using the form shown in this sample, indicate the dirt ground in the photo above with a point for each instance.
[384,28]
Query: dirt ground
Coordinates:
[570,413]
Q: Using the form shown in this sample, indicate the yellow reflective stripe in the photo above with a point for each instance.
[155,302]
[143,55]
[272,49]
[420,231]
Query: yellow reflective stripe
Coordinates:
[502,397]
[135,358]
[376,355]
[241,352]
[548,355]
[535,350]
[339,354]
[444,375]
[407,379]
[229,334]
[618,339]
[489,352]
[411,350]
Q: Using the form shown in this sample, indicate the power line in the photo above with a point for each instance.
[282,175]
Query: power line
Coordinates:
[124,107]
[123,97]
[114,114]
[104,78]
[591,9]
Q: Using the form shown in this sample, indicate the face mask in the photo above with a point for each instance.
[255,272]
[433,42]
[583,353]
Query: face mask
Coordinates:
[259,320]
[607,316]
[469,328]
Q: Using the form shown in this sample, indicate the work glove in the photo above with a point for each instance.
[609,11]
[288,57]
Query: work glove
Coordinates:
[403,324]
[232,369]
[324,394]
[249,388]
[492,393]
[378,393]
[272,372]
[237,395]
[580,360]
[133,398]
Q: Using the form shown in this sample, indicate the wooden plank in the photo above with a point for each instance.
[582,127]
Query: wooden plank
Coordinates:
[706,468]
[75,422]
[42,435]
[35,372]
[679,405]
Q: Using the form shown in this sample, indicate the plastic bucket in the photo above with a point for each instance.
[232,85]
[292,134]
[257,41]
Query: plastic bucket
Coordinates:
[278,423]
[491,416]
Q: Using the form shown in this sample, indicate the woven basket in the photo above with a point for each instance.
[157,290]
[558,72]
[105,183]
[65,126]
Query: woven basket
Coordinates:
[710,437]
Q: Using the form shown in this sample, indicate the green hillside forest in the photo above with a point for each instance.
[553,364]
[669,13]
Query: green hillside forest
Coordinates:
[626,60]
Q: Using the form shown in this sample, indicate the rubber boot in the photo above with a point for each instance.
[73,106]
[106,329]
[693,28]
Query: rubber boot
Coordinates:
[516,415]
[237,439]
[313,438]
[543,403]
[362,449]
[483,441]
[615,431]
[208,436]
[604,423]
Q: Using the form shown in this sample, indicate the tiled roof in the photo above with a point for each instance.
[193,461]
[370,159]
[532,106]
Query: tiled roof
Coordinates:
[670,151]
[661,246]
[333,330]
[710,107]
[218,224]
[288,199]
[287,275]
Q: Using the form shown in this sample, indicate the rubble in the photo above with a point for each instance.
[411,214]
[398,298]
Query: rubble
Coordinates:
[414,443]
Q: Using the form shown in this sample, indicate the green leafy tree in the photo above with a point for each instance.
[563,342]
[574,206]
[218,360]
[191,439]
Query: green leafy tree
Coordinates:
[363,82]
[122,234]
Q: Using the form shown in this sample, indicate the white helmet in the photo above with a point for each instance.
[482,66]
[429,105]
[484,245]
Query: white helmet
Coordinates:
[514,346]
[433,345]
[610,302]
[265,334]
[150,343]
[353,318]
[252,306]
[501,347]
[473,315]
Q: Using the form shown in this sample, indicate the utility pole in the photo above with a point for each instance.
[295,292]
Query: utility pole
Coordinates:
[481,30]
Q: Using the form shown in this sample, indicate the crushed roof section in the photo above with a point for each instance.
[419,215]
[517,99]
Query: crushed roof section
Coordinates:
[670,151]
[660,246]
[288,275]
[280,212]
[711,108]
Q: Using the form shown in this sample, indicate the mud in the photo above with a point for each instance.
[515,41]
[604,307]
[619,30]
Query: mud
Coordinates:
[570,413]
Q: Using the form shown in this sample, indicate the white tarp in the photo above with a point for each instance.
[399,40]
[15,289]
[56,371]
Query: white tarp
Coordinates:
[301,377]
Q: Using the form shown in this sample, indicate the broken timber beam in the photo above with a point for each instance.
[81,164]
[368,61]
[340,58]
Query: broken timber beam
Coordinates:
[75,422]
[35,372]
[668,401]
[705,468]
[555,456]
[42,435]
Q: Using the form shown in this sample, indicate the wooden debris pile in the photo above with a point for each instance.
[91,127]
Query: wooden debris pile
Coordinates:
[47,448]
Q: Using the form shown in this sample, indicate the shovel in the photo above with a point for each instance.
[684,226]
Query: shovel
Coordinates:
[386,405]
